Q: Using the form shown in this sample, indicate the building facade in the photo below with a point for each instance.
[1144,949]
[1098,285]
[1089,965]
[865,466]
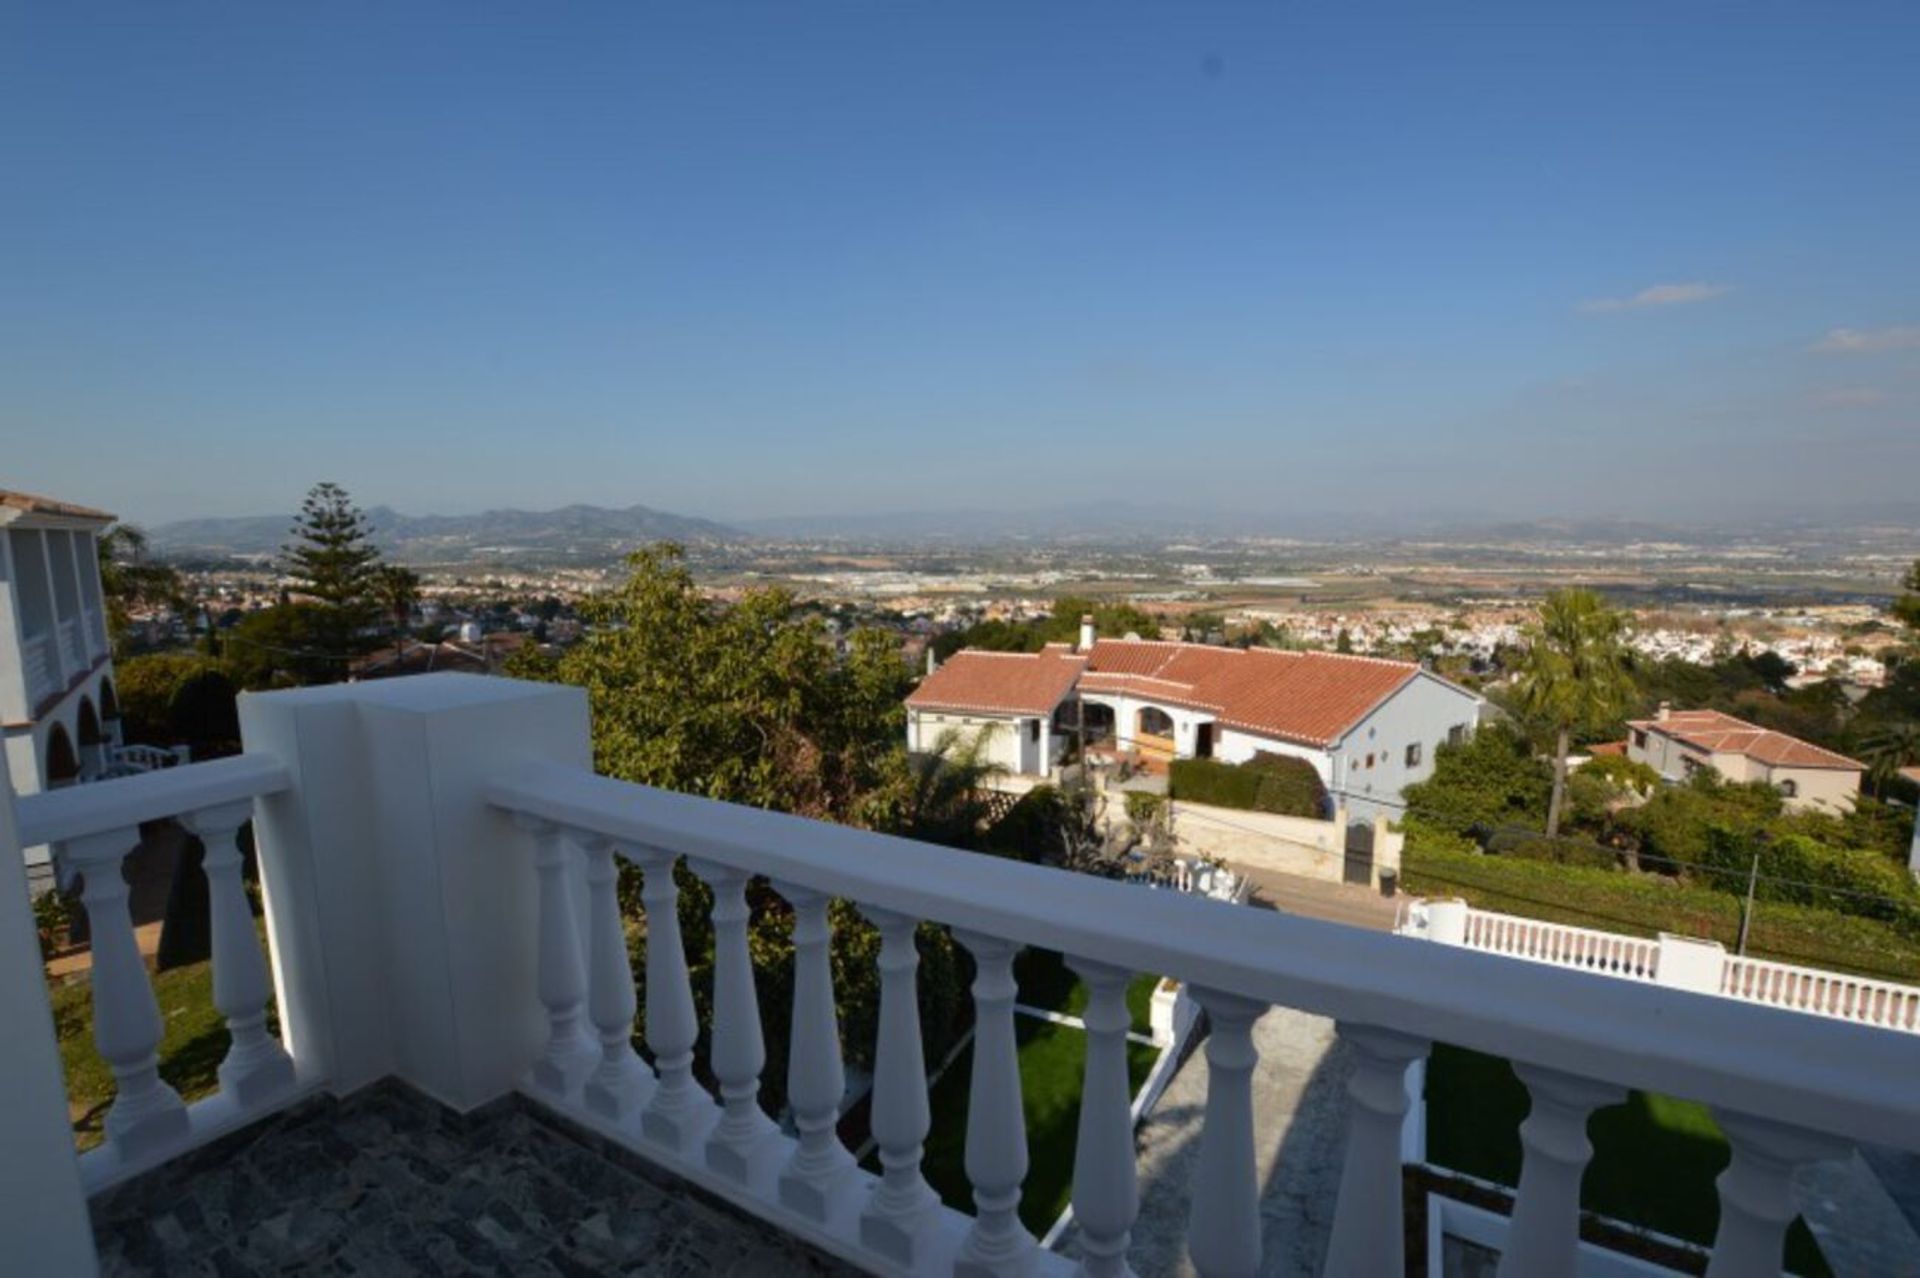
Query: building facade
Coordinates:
[1679,743]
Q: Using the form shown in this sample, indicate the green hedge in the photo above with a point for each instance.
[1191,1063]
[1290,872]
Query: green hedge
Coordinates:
[1531,845]
[1645,904]
[1268,783]
[1803,870]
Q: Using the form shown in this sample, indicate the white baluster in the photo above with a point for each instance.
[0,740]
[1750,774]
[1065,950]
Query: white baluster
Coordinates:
[1223,1227]
[996,1158]
[1545,1235]
[256,1066]
[679,1111]
[1367,1221]
[1756,1192]
[816,1079]
[1106,1196]
[738,1051]
[903,1201]
[614,1089]
[146,1113]
[562,983]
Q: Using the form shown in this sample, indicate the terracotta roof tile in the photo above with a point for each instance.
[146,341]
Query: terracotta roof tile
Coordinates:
[48,506]
[1000,682]
[1719,733]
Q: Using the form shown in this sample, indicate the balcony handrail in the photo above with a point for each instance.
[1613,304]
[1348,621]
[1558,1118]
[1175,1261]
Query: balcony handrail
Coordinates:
[74,812]
[1833,1076]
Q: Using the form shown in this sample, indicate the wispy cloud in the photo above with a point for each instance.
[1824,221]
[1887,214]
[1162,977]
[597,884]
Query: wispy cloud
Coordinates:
[1850,397]
[1869,341]
[1657,295]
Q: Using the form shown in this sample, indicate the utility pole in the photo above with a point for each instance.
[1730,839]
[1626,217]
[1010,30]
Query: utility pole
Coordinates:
[1746,912]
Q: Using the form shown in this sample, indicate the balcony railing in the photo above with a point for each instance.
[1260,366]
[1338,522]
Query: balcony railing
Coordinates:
[439,868]
[73,649]
[42,674]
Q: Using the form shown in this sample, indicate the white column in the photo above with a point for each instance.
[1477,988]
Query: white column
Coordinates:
[63,669]
[146,1114]
[903,1201]
[1756,1192]
[996,1158]
[1367,1222]
[738,1053]
[1223,1229]
[1545,1234]
[562,983]
[1106,1197]
[679,1110]
[613,1089]
[257,1068]
[816,1079]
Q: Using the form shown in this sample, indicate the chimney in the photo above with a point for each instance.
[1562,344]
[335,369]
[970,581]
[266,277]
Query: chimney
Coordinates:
[1666,709]
[933,659]
[1086,633]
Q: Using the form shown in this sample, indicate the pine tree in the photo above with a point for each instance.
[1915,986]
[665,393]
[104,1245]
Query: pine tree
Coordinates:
[332,559]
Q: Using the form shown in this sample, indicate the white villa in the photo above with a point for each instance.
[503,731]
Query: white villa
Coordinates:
[1678,743]
[1368,726]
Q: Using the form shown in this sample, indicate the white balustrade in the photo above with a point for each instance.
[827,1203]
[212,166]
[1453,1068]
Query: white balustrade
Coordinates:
[996,1156]
[1837,994]
[563,983]
[738,1052]
[73,653]
[816,1078]
[1756,1192]
[1367,1225]
[1106,1195]
[256,1068]
[1223,1229]
[147,1114]
[902,1202]
[679,1112]
[41,670]
[1545,1235]
[615,1086]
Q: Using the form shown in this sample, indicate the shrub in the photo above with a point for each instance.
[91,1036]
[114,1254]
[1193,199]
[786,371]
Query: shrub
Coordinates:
[1269,783]
[1531,845]
[146,687]
[1622,773]
[1492,778]
[1796,868]
[1144,809]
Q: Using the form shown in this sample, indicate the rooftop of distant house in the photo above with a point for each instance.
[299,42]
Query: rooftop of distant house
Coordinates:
[1718,733]
[1313,698]
[34,504]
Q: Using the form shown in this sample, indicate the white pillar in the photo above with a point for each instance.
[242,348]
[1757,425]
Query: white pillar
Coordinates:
[738,1053]
[1223,1229]
[1545,1234]
[996,1156]
[679,1111]
[613,1090]
[403,908]
[43,1209]
[147,1114]
[257,1068]
[903,1201]
[1367,1222]
[561,980]
[1756,1192]
[1106,1196]
[816,1078]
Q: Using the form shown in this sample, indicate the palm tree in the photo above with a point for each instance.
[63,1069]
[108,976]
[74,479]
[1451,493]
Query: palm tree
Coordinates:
[948,803]
[129,579]
[396,590]
[1887,749]
[1574,677]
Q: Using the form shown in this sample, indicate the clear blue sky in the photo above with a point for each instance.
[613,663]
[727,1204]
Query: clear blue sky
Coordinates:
[732,259]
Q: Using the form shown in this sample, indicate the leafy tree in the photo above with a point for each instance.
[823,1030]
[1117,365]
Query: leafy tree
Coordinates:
[395,590]
[1907,606]
[1491,779]
[1574,678]
[1343,642]
[130,578]
[1887,749]
[291,645]
[331,558]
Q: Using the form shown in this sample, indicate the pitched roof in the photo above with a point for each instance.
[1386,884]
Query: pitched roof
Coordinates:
[1000,682]
[1718,733]
[1311,697]
[35,504]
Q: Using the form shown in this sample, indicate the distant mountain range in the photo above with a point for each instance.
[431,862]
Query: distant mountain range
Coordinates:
[569,533]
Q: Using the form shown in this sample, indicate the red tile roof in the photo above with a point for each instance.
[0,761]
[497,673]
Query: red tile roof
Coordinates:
[1718,733]
[982,682]
[1311,697]
[48,506]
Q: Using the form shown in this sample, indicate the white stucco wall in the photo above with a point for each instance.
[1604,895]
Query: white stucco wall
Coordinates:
[1422,712]
[1234,746]
[1009,743]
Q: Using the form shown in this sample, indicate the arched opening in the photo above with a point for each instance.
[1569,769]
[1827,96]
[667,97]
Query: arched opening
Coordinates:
[1153,732]
[1790,788]
[109,701]
[1098,719]
[62,765]
[89,725]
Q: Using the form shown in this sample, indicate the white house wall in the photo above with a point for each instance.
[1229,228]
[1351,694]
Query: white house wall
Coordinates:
[925,728]
[1234,746]
[1424,711]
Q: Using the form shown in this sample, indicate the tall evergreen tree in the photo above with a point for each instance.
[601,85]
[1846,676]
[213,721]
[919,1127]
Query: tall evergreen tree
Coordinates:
[332,558]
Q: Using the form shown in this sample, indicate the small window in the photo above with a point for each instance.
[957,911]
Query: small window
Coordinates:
[1790,788]
[1639,740]
[1033,730]
[1413,755]
[1369,762]
[1456,734]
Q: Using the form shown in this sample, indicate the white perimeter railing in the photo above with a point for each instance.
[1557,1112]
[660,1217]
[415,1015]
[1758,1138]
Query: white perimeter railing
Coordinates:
[95,827]
[1630,956]
[1806,989]
[36,656]
[1786,1090]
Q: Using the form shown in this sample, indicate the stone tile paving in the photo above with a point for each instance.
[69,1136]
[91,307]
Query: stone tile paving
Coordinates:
[389,1182]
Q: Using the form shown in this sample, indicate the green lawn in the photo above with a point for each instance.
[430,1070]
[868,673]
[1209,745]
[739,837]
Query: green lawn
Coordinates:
[193,1042]
[1052,1061]
[1046,982]
[1654,1158]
